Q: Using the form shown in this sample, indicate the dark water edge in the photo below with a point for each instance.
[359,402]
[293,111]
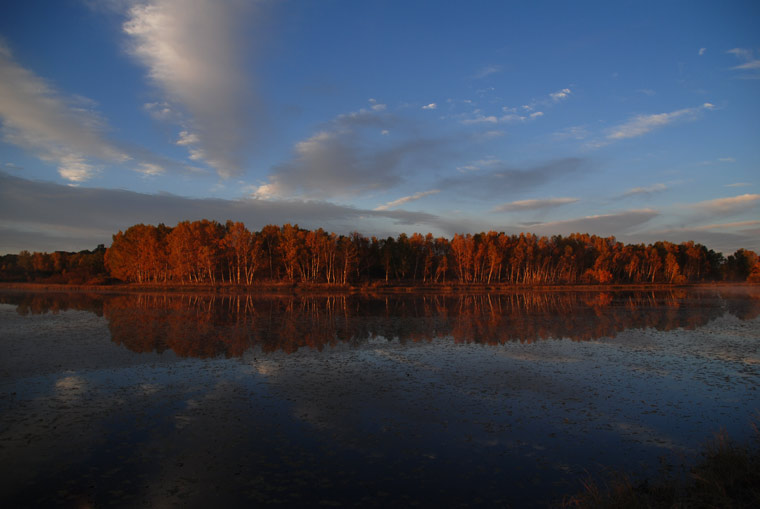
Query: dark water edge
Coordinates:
[169,400]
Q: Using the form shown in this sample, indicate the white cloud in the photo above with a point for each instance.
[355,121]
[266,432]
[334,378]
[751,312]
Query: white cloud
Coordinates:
[561,94]
[522,205]
[643,124]
[58,129]
[407,199]
[702,51]
[384,132]
[187,138]
[160,110]
[738,184]
[150,169]
[481,163]
[430,106]
[751,62]
[536,114]
[481,119]
[75,169]
[728,205]
[192,53]
[379,107]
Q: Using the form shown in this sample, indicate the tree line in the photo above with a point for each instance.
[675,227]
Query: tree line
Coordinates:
[208,252]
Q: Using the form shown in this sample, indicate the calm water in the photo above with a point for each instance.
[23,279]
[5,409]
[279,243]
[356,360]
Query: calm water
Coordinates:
[192,400]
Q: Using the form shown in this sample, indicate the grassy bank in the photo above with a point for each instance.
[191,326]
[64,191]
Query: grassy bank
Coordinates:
[726,476]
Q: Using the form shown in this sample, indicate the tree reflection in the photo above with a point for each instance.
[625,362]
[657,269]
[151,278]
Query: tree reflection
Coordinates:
[212,325]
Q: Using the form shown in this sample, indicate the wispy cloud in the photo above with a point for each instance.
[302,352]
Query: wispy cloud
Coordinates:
[726,226]
[487,71]
[647,190]
[430,106]
[643,124]
[502,180]
[511,115]
[407,199]
[730,205]
[603,224]
[702,51]
[75,218]
[339,161]
[750,68]
[560,94]
[192,53]
[537,204]
[64,130]
[738,184]
[748,56]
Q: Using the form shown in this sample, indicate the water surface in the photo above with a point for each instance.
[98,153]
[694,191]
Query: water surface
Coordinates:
[170,399]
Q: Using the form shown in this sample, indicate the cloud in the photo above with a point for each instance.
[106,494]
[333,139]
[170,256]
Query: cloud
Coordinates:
[617,223]
[702,51]
[730,205]
[738,184]
[643,124]
[635,191]
[407,199]
[46,216]
[560,94]
[522,205]
[751,64]
[344,158]
[488,162]
[722,237]
[430,106]
[150,169]
[577,132]
[62,130]
[487,71]
[193,55]
[481,119]
[505,181]
[725,226]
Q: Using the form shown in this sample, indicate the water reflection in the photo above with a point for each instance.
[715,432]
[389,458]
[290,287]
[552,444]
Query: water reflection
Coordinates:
[206,326]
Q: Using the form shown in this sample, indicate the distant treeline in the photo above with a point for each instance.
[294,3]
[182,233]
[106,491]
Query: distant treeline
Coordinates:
[208,252]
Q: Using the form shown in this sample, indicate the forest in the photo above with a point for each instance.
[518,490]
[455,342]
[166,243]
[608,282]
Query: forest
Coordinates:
[211,253]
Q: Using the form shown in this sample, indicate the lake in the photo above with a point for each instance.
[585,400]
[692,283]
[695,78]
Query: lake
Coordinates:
[480,399]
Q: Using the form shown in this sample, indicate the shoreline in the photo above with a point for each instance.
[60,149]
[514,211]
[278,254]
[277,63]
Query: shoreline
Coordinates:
[366,289]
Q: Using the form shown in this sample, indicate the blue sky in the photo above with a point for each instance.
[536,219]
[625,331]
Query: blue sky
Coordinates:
[633,119]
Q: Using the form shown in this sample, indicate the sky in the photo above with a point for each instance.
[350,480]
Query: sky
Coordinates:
[634,119]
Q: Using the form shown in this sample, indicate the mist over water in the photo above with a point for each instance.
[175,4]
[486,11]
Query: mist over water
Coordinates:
[458,399]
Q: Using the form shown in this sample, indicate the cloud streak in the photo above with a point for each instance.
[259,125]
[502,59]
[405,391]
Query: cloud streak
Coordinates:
[61,130]
[407,199]
[730,205]
[503,180]
[191,51]
[539,204]
[648,190]
[55,214]
[616,223]
[343,159]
